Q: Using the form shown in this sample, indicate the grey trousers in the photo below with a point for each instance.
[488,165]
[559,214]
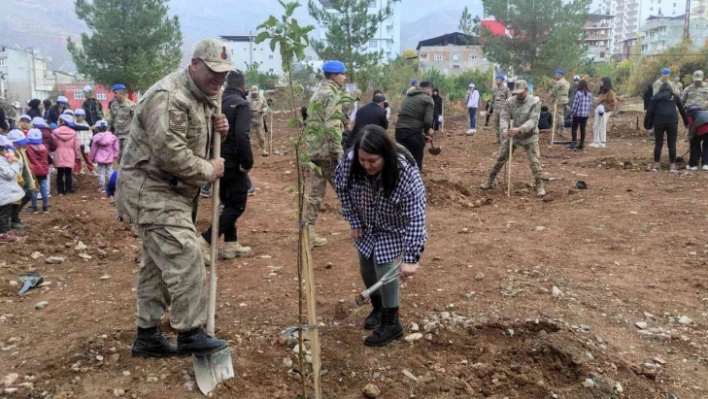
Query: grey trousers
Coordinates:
[371,272]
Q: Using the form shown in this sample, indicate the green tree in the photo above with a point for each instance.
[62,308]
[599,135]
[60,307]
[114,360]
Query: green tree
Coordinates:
[350,26]
[470,26]
[264,81]
[134,42]
[543,35]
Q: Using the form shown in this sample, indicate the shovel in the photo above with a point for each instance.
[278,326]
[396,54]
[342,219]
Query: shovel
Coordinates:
[30,280]
[433,150]
[215,367]
[391,276]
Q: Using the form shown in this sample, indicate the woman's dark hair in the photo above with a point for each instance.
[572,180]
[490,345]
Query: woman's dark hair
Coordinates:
[373,140]
[666,87]
[606,85]
[583,86]
[47,103]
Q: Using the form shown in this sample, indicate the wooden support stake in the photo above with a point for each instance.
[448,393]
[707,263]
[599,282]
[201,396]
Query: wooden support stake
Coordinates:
[508,166]
[309,276]
[553,128]
[270,134]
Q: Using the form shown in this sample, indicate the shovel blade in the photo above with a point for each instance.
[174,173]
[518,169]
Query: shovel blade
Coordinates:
[212,369]
[434,150]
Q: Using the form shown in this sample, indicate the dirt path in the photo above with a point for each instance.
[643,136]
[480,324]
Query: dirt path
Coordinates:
[522,298]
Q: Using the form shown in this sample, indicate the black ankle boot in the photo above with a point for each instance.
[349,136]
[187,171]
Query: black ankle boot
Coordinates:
[373,320]
[389,329]
[196,341]
[151,343]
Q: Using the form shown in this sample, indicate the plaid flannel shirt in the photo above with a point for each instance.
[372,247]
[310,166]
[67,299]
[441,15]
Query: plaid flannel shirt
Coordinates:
[581,105]
[391,225]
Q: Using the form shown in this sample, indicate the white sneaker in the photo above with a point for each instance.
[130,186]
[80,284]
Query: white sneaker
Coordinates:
[233,249]
[469,131]
[474,130]
[603,145]
[705,168]
[693,168]
[595,145]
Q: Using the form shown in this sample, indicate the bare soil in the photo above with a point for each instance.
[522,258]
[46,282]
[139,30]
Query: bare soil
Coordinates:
[631,247]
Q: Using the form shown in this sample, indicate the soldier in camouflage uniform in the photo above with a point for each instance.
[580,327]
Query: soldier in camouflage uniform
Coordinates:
[525,110]
[500,94]
[121,115]
[697,93]
[560,96]
[164,165]
[259,108]
[665,74]
[325,152]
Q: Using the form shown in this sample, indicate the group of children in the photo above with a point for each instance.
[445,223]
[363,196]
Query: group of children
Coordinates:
[27,153]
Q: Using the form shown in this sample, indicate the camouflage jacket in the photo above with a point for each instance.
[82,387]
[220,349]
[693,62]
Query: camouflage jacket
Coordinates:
[327,148]
[165,161]
[560,91]
[657,85]
[121,117]
[257,104]
[525,114]
[693,95]
[499,96]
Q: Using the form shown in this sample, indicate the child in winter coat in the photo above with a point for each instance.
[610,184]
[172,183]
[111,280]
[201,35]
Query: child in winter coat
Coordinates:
[26,178]
[67,153]
[545,122]
[10,191]
[84,136]
[104,151]
[38,155]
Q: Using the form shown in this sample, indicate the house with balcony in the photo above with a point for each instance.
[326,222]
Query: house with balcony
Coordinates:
[387,38]
[452,54]
[598,37]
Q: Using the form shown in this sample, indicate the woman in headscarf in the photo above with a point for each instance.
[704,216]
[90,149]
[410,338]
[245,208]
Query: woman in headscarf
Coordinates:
[608,101]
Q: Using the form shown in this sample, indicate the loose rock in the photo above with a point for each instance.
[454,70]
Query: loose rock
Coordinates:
[41,305]
[641,325]
[414,337]
[371,391]
[685,320]
[413,327]
[410,375]
[10,379]
[287,362]
[589,383]
[479,277]
[556,292]
[54,260]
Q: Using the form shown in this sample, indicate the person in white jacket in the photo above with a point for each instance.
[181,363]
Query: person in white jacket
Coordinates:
[472,102]
[10,191]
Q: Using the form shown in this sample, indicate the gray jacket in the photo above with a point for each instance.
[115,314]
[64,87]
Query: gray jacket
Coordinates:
[10,191]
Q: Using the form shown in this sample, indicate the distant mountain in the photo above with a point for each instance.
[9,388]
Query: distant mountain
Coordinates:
[45,25]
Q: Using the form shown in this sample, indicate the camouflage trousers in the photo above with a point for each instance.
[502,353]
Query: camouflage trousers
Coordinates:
[171,276]
[533,155]
[497,120]
[122,142]
[559,117]
[318,188]
[260,134]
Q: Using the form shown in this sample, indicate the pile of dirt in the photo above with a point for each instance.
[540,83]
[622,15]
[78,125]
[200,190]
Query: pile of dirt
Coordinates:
[636,164]
[443,192]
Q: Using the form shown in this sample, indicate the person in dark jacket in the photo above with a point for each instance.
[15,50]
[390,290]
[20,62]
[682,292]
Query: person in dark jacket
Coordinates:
[47,102]
[437,109]
[370,114]
[698,137]
[386,106]
[57,109]
[415,120]
[663,118]
[238,161]
[648,94]
[4,126]
[93,107]
[545,122]
[34,111]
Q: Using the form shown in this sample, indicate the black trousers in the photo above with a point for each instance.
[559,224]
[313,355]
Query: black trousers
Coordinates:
[5,215]
[436,124]
[671,135]
[414,141]
[234,196]
[17,208]
[699,150]
[64,180]
[579,121]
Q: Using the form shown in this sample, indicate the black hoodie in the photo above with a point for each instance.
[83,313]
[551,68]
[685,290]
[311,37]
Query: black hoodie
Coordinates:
[662,110]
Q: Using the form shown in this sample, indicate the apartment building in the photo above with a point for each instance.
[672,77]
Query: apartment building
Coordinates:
[451,54]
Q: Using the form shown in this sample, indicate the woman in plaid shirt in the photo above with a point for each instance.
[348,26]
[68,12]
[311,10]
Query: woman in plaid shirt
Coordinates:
[383,198]
[580,112]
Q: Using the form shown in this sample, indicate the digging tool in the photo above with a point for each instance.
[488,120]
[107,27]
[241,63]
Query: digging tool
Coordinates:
[433,150]
[215,367]
[270,134]
[682,158]
[508,166]
[389,277]
[553,128]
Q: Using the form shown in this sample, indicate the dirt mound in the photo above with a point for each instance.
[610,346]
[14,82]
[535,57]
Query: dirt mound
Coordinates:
[442,192]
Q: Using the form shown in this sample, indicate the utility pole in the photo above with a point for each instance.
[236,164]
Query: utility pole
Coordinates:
[687,21]
[250,46]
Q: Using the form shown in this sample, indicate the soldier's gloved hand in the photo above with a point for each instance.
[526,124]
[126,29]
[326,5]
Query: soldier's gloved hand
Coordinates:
[221,125]
[218,167]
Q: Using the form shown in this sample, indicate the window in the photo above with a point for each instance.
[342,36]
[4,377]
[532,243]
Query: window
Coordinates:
[372,4]
[455,57]
[101,96]
[455,67]
[473,56]
[270,57]
[423,56]
[438,57]
[3,61]
[78,95]
[270,70]
[373,44]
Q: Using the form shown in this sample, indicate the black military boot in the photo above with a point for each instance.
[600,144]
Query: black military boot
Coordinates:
[373,320]
[196,341]
[389,329]
[151,343]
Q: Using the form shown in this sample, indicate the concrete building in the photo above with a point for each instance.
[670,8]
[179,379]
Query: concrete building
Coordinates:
[246,52]
[452,54]
[24,74]
[661,33]
[598,37]
[700,9]
[74,91]
[388,35]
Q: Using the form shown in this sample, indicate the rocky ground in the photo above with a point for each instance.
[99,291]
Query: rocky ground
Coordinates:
[595,293]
